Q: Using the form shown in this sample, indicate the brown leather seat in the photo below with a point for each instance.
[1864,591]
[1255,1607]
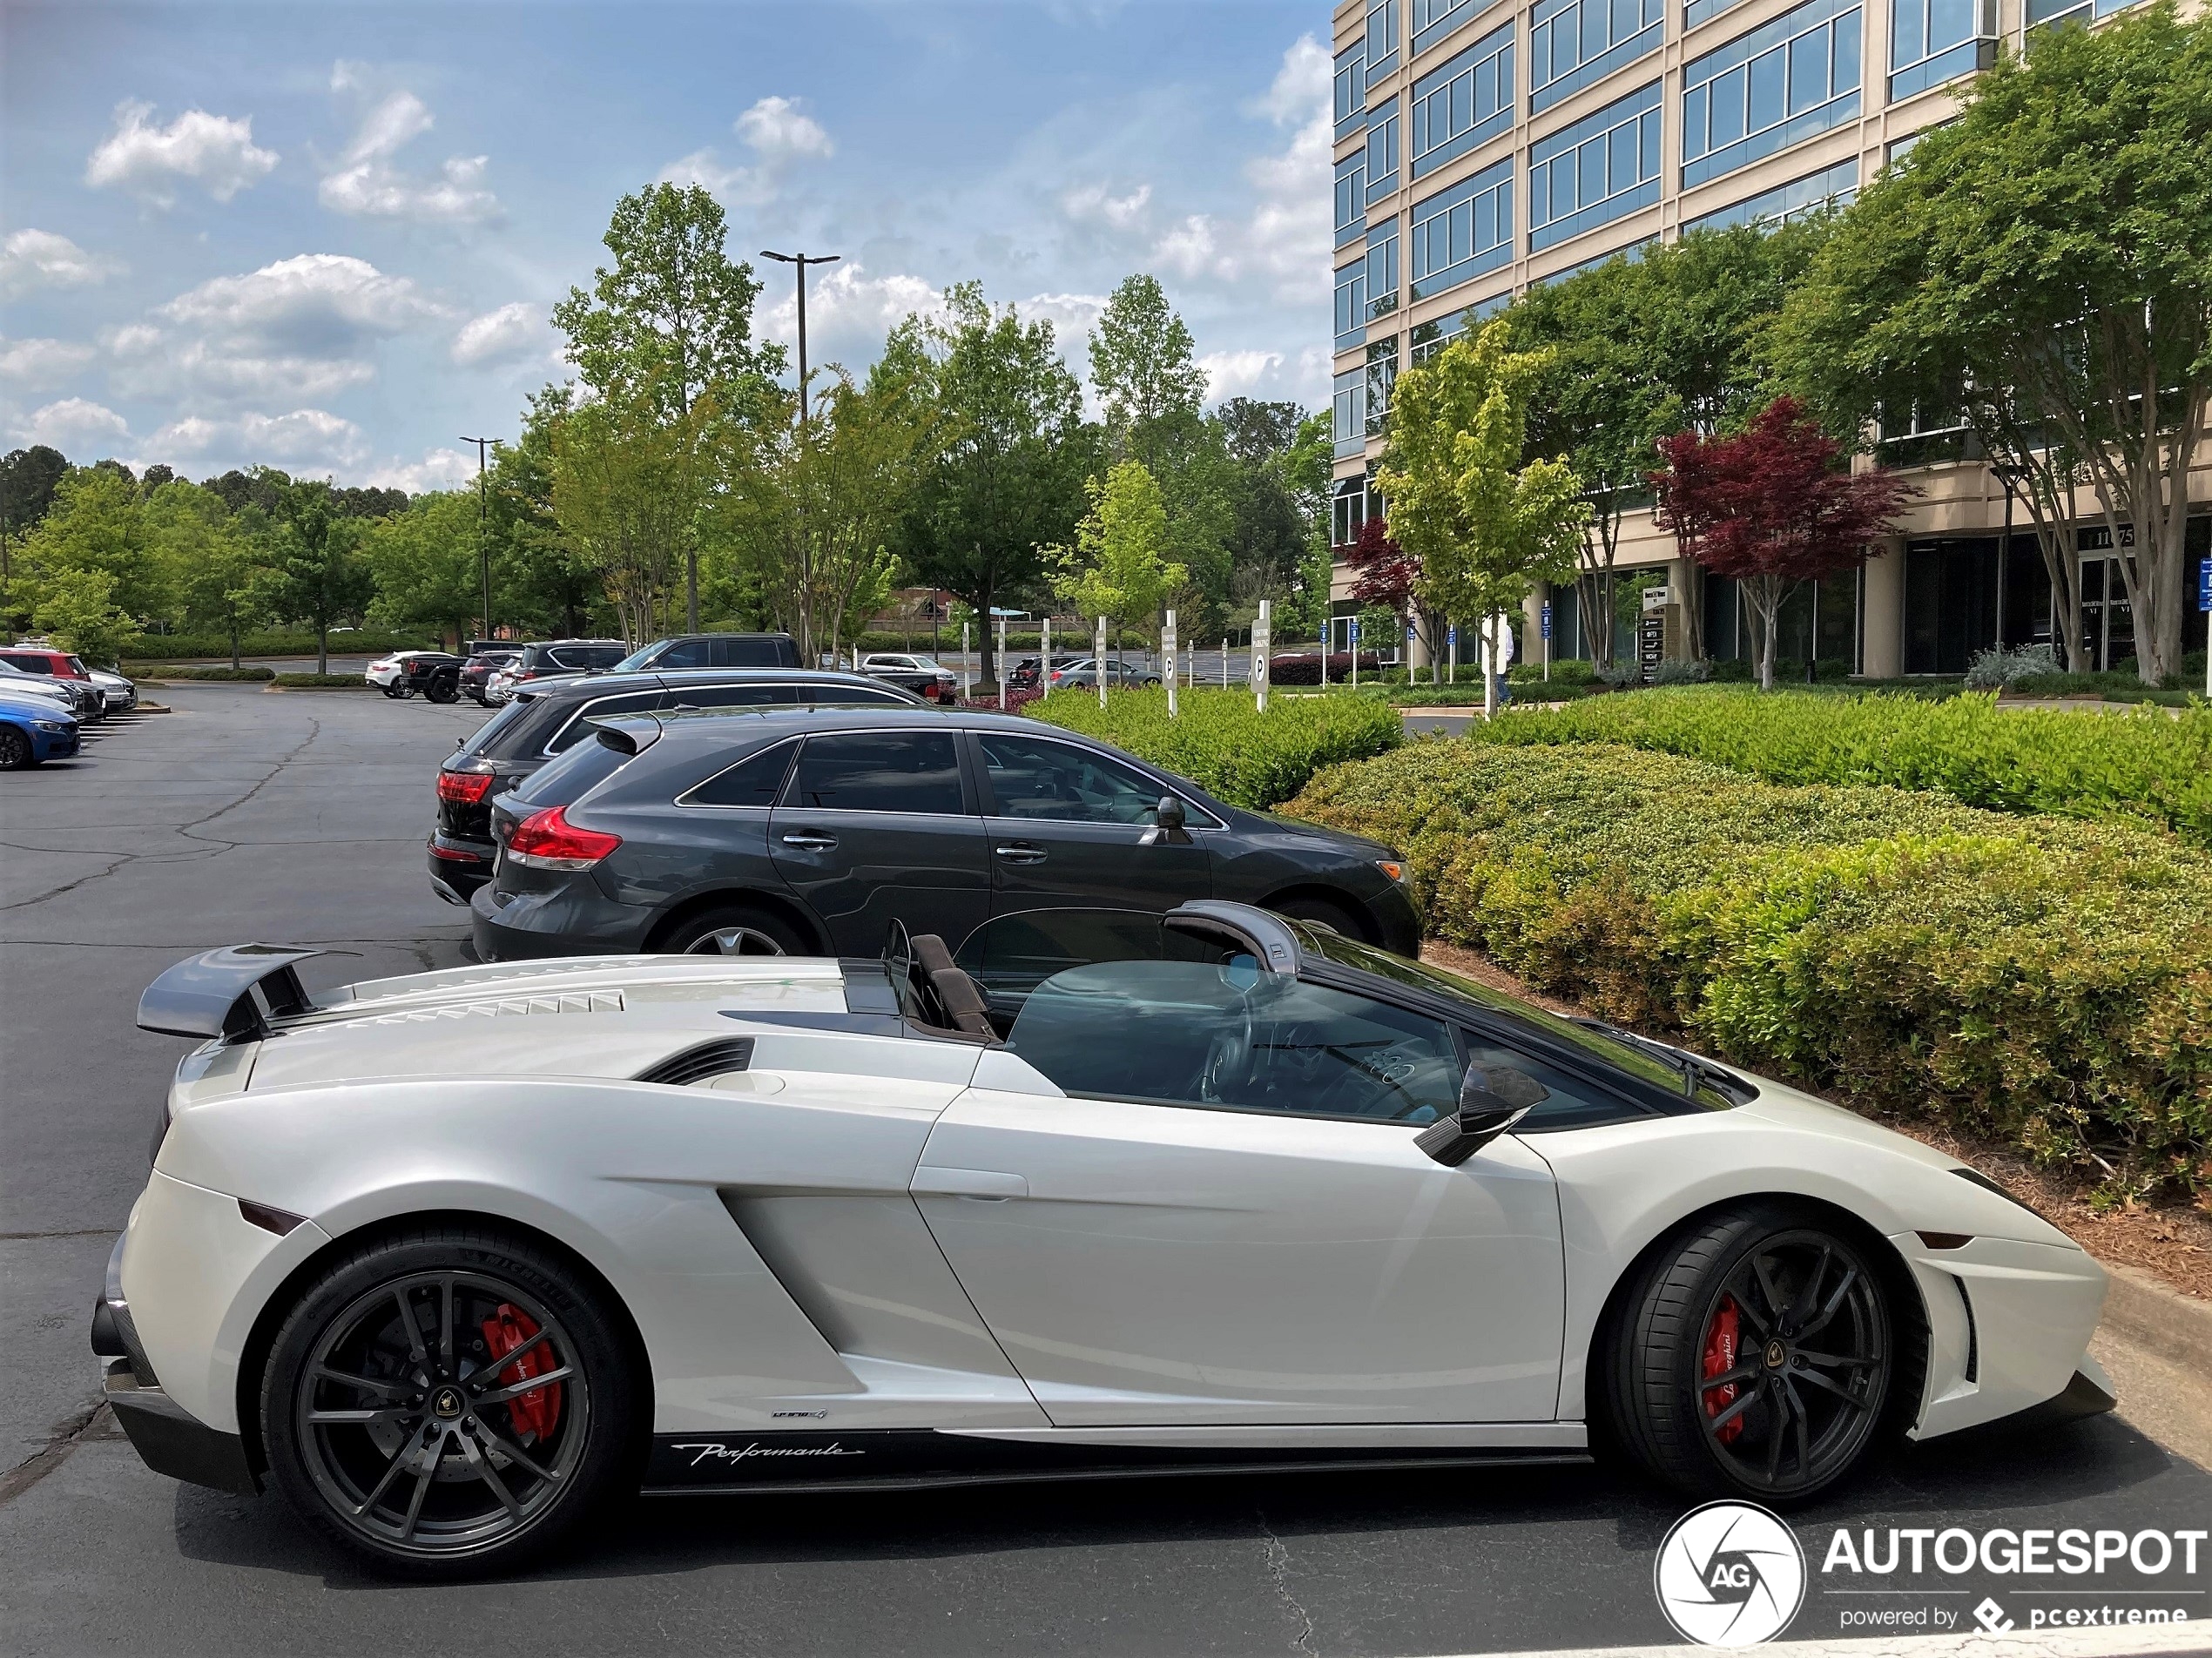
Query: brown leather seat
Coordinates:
[959,996]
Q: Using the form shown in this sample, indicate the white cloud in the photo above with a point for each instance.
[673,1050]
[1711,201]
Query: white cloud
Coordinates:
[44,259]
[74,424]
[365,183]
[313,438]
[1286,238]
[511,331]
[848,305]
[215,151]
[437,469]
[1237,373]
[1092,203]
[300,328]
[41,365]
[777,132]
[1072,315]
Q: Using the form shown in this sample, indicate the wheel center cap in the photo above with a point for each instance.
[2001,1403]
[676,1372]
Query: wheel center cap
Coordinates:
[1777,1355]
[448,1403]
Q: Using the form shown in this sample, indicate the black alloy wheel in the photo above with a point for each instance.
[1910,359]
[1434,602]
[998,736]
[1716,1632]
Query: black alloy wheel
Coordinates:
[442,688]
[16,752]
[448,1401]
[1758,1358]
[395,691]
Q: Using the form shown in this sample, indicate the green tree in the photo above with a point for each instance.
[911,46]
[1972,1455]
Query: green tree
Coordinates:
[1117,568]
[96,522]
[545,584]
[2046,261]
[77,609]
[28,478]
[1005,478]
[667,332]
[1308,468]
[1270,525]
[1483,522]
[426,568]
[316,574]
[624,495]
[217,566]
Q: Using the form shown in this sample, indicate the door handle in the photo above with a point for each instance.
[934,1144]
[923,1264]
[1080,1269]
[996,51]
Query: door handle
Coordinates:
[810,841]
[966,1182]
[1021,851]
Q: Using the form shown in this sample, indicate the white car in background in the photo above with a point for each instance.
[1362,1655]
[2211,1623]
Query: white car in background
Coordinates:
[122,692]
[450,1259]
[385,672]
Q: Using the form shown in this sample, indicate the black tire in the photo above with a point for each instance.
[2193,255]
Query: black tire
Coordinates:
[16,753]
[1760,1279]
[1329,912]
[395,691]
[735,928]
[442,689]
[509,1478]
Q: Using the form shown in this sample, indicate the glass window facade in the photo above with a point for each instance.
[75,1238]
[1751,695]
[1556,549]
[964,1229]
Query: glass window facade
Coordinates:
[1382,374]
[1464,100]
[1632,253]
[1382,38]
[1463,232]
[1382,150]
[1351,198]
[1932,41]
[1382,267]
[2041,14]
[1774,87]
[1434,19]
[1351,304]
[1349,426]
[1429,338]
[1697,11]
[1351,89]
[1836,186]
[1603,166]
[1574,43]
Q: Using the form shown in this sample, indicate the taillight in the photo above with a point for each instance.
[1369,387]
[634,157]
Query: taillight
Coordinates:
[466,788]
[548,840]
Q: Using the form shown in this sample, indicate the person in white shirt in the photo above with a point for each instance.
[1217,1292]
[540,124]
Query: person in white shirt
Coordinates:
[1497,656]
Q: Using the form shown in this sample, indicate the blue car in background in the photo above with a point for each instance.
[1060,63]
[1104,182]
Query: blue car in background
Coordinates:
[34,729]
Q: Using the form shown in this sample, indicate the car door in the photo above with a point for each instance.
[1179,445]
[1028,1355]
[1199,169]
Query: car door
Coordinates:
[1068,825]
[875,826]
[1189,1195]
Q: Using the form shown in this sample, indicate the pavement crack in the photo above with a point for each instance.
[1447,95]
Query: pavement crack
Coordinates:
[88,1231]
[94,1421]
[1279,1572]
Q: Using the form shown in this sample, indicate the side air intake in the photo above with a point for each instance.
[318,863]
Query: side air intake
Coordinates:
[715,1058]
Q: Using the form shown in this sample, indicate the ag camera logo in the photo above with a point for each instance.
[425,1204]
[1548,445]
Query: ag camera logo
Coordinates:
[1729,1574]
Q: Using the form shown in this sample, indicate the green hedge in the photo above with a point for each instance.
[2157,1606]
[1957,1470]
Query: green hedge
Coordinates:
[324,682]
[177,647]
[1226,746]
[165,670]
[2145,765]
[2041,980]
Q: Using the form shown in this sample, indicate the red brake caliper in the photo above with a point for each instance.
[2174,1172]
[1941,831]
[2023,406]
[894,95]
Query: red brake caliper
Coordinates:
[1720,1359]
[535,1413]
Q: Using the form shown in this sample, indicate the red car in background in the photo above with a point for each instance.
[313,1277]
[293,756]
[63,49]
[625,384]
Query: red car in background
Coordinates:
[44,659]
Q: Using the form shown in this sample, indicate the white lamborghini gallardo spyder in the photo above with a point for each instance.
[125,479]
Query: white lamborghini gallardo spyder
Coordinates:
[451,1259]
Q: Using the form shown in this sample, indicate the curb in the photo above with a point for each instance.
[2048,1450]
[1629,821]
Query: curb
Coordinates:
[2175,1327]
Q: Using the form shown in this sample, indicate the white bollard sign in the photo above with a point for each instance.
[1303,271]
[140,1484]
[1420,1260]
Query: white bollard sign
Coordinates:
[1098,660]
[1167,661]
[1263,633]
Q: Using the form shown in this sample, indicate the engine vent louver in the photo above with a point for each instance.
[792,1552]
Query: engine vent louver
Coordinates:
[574,1002]
[715,1058]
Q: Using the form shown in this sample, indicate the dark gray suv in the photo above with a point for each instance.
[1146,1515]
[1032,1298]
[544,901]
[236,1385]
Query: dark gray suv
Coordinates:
[807,831]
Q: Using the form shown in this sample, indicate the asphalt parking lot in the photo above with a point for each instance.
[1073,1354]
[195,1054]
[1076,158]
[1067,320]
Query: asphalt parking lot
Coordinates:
[300,818]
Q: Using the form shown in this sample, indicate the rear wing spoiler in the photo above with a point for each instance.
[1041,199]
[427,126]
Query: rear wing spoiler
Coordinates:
[232,993]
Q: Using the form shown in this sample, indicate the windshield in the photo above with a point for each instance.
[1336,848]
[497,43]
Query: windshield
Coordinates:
[637,658]
[1636,1055]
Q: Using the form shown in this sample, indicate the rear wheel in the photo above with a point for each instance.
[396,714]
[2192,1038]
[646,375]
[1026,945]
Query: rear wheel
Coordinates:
[442,688]
[735,929]
[1329,912]
[449,1400]
[1757,1357]
[16,752]
[395,691]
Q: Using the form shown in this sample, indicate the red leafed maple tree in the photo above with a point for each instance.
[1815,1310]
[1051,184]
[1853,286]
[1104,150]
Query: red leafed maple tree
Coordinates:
[1384,571]
[1770,507]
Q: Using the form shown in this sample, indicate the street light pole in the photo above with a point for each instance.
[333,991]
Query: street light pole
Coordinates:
[483,551]
[801,260]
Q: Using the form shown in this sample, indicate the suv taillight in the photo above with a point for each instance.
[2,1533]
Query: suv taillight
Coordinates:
[548,840]
[465,787]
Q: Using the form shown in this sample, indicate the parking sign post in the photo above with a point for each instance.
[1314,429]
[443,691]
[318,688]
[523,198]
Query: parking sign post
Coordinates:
[1451,637]
[1351,633]
[1001,665]
[1044,663]
[967,685]
[2204,603]
[1167,661]
[1263,636]
[1099,661]
[1547,641]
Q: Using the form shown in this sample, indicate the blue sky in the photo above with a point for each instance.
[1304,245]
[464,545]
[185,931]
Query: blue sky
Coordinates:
[327,236]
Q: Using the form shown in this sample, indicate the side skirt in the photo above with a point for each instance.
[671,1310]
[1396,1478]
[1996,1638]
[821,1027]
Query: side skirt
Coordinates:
[895,1459]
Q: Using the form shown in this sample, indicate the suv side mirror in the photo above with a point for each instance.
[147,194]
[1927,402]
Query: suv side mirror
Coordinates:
[1167,824]
[1492,1099]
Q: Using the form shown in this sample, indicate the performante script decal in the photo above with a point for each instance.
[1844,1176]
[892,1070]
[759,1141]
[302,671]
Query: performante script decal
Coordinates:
[716,1451]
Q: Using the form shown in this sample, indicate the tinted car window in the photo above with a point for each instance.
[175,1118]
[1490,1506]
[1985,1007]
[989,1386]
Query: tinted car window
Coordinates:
[578,657]
[565,781]
[688,653]
[826,696]
[751,653]
[754,781]
[1229,1036]
[879,772]
[1032,777]
[492,737]
[637,702]
[1570,1102]
[734,696]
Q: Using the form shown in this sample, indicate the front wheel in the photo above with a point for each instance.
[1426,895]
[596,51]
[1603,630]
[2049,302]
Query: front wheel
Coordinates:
[1758,1356]
[449,1401]
[16,752]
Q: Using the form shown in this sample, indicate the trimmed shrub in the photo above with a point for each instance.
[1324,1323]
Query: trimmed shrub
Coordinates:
[172,647]
[1304,669]
[1224,743]
[162,671]
[1999,670]
[2045,980]
[323,682]
[2142,767]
